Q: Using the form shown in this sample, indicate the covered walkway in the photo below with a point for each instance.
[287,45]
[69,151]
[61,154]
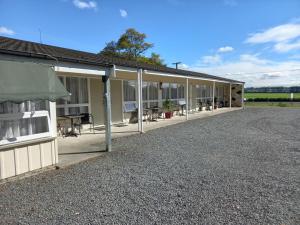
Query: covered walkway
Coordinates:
[88,145]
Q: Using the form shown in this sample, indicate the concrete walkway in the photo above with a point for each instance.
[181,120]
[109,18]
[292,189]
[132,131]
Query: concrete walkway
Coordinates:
[88,145]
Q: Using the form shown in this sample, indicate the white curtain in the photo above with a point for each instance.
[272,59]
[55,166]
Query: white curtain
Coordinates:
[129,89]
[173,91]
[153,94]
[145,91]
[180,91]
[165,90]
[78,87]
[13,128]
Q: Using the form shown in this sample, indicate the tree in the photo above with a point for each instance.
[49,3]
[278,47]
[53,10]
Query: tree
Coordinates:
[156,59]
[111,49]
[132,43]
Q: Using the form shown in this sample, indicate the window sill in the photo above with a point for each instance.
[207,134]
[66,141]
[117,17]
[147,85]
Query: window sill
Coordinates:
[25,143]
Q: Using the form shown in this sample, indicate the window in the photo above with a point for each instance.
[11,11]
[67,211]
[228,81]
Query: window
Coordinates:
[79,99]
[145,91]
[151,99]
[26,121]
[165,91]
[129,89]
[173,91]
[220,93]
[180,91]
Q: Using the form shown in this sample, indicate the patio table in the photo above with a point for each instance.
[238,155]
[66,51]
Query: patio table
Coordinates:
[72,117]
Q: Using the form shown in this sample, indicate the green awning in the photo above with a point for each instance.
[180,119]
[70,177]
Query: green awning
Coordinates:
[23,81]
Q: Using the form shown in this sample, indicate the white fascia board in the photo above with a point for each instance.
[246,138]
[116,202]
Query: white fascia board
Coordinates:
[63,69]
[125,69]
[181,76]
[133,70]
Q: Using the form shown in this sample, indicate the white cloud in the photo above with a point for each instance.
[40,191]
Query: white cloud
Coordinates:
[253,59]
[230,2]
[226,49]
[83,4]
[123,13]
[287,46]
[211,59]
[6,31]
[279,33]
[255,71]
[285,37]
[183,66]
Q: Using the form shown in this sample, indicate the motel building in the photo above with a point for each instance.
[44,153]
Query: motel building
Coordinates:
[56,101]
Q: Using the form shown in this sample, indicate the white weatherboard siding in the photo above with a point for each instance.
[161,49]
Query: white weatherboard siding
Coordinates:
[27,157]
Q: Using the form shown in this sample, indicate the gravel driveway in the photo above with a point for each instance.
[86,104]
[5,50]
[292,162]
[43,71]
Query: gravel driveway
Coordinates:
[241,167]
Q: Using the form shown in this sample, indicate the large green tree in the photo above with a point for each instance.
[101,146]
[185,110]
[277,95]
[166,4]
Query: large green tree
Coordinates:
[132,45]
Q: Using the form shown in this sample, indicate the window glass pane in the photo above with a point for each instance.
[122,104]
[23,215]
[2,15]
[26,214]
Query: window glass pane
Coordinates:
[165,90]
[129,90]
[61,101]
[173,91]
[78,88]
[11,129]
[180,91]
[153,90]
[28,106]
[60,111]
[145,91]
[78,110]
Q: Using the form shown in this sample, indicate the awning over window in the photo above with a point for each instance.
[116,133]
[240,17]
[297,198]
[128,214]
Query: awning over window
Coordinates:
[23,81]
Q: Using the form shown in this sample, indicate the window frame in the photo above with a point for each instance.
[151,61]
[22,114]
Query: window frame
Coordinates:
[66,106]
[26,115]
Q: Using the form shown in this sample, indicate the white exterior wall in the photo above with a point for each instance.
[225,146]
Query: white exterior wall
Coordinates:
[27,157]
[96,89]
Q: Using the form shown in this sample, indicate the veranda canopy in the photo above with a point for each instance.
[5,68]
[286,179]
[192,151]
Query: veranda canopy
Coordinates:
[23,81]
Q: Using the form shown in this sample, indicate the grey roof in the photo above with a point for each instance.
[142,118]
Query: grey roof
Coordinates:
[37,50]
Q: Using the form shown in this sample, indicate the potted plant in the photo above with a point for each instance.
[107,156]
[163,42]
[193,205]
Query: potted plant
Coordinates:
[168,108]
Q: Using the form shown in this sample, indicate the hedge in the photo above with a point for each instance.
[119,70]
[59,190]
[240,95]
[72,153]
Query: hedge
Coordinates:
[273,100]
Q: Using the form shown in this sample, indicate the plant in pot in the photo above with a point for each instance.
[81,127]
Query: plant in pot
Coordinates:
[168,106]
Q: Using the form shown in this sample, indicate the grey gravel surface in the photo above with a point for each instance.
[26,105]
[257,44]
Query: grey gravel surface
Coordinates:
[237,168]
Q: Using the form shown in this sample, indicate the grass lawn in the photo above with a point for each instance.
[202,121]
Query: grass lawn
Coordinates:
[273,104]
[270,95]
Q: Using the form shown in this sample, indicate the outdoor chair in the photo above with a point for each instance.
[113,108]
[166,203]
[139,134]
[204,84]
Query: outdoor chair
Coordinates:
[131,107]
[86,118]
[208,105]
[200,105]
[182,105]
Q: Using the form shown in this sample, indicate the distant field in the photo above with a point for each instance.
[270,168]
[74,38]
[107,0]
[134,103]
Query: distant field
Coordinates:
[270,95]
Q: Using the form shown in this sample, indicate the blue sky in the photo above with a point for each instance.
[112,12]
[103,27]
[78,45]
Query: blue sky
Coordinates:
[255,41]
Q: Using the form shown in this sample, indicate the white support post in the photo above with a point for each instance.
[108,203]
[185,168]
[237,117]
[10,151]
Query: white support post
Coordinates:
[187,99]
[140,100]
[230,97]
[122,94]
[243,104]
[107,110]
[53,119]
[213,95]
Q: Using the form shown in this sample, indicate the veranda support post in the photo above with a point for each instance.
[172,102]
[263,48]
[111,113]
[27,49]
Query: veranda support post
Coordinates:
[107,110]
[187,99]
[140,100]
[213,96]
[230,97]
